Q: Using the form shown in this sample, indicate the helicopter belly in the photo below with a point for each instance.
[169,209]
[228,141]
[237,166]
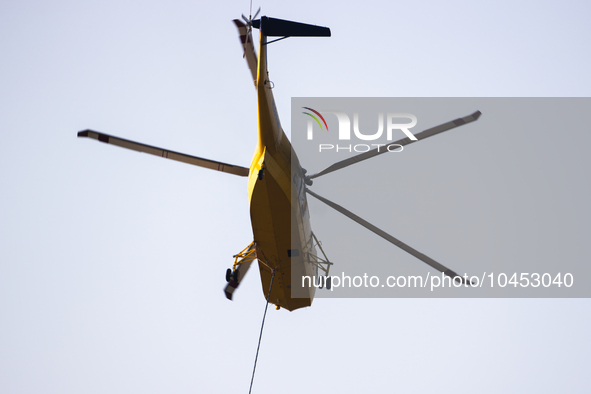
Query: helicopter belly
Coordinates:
[278,246]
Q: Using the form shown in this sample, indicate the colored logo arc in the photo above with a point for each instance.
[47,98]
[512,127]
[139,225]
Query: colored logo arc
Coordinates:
[315,118]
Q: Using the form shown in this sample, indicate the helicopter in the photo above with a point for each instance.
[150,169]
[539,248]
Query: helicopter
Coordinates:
[283,243]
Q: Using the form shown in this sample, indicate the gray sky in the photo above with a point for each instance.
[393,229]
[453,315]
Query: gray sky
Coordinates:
[112,262]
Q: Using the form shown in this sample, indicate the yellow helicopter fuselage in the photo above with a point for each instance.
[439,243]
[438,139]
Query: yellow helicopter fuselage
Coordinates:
[278,207]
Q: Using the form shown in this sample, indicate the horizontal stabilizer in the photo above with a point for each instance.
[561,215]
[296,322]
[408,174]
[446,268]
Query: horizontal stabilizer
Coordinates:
[272,27]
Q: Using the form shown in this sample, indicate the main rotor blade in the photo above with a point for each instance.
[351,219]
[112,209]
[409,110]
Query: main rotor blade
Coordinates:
[405,141]
[389,238]
[168,154]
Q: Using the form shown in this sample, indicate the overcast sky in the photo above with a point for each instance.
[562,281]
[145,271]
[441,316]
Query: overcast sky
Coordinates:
[112,262]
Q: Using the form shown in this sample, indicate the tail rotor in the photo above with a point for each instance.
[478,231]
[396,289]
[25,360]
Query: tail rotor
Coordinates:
[249,23]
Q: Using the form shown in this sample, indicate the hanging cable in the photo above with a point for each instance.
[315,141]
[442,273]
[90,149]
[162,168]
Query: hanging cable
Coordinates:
[261,334]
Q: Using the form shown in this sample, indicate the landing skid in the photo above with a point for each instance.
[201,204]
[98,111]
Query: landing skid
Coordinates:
[242,262]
